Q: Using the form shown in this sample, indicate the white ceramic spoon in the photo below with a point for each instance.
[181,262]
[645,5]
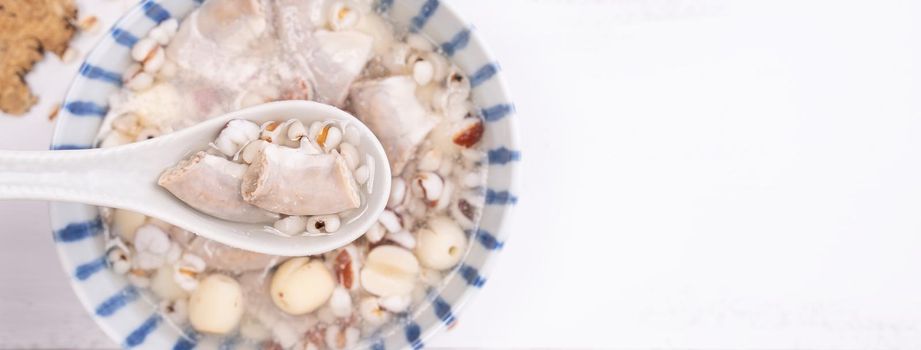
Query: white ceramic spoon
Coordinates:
[126,176]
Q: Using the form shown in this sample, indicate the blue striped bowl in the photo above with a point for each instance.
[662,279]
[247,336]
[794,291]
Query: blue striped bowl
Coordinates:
[129,316]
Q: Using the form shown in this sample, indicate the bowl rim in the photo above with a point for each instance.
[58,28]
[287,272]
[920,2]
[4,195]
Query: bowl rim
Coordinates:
[59,128]
[458,305]
[489,262]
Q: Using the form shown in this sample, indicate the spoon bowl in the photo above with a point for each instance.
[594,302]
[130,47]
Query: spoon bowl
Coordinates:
[125,177]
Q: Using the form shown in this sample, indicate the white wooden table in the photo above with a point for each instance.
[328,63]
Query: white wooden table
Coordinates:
[697,174]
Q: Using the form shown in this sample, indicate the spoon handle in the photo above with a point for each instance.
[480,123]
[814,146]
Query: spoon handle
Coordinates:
[96,176]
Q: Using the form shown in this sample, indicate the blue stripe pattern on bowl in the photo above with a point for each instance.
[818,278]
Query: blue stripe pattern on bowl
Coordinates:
[90,268]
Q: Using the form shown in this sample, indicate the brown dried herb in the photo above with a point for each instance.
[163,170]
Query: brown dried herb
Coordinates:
[27,30]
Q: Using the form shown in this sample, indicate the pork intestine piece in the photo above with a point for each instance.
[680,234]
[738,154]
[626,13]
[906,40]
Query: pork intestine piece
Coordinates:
[328,61]
[390,109]
[211,184]
[219,42]
[232,24]
[311,14]
[223,257]
[293,182]
[337,60]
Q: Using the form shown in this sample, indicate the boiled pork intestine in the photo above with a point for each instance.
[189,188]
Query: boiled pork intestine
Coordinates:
[390,109]
[211,184]
[292,182]
[228,45]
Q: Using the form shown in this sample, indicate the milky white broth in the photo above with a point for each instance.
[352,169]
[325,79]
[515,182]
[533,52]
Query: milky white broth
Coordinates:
[231,54]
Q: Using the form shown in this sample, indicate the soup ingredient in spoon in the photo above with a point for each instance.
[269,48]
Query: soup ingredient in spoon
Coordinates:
[235,135]
[291,225]
[216,306]
[255,173]
[211,184]
[323,224]
[292,182]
